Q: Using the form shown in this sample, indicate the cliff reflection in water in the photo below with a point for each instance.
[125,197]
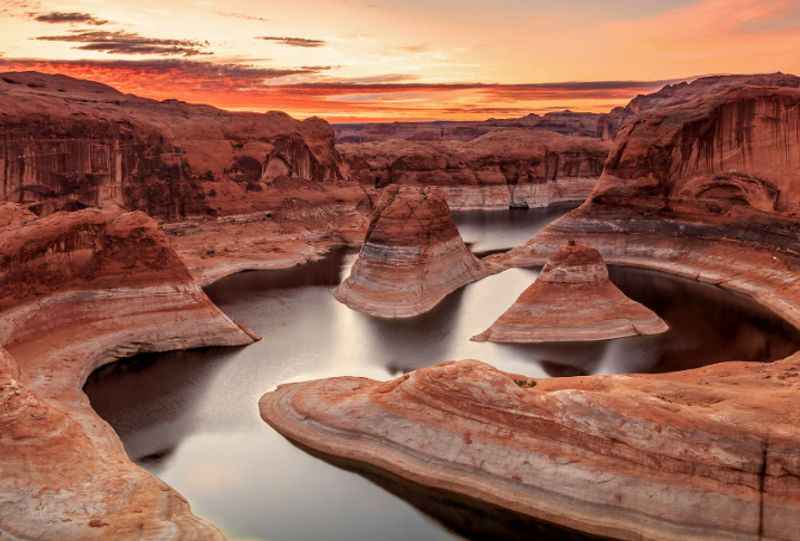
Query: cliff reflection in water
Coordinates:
[192,417]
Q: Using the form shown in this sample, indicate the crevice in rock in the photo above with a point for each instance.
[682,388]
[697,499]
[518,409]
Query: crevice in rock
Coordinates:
[762,481]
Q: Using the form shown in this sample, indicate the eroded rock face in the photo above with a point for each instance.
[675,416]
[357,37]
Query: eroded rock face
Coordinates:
[703,182]
[68,144]
[501,169]
[708,454]
[596,125]
[78,290]
[573,300]
[413,256]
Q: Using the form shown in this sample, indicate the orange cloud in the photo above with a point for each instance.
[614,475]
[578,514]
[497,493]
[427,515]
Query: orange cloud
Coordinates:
[241,87]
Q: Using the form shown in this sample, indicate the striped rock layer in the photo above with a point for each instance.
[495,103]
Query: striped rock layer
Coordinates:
[703,182]
[412,258]
[78,290]
[708,454]
[573,300]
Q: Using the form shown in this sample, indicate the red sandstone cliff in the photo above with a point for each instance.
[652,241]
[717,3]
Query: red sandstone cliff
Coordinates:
[703,181]
[516,167]
[596,125]
[78,290]
[68,144]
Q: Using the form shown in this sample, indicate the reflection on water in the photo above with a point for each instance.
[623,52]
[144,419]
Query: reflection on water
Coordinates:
[192,417]
[489,232]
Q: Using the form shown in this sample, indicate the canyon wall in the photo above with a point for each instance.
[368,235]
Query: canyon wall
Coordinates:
[704,182]
[78,290]
[595,125]
[501,169]
[68,144]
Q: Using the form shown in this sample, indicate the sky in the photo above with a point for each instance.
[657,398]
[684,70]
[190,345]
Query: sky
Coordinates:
[383,60]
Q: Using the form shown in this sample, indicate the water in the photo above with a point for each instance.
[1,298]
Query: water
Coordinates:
[192,417]
[489,232]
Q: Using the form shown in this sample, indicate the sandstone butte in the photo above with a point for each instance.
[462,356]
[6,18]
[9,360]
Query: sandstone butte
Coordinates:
[412,258]
[238,190]
[78,290]
[702,182]
[503,168]
[573,300]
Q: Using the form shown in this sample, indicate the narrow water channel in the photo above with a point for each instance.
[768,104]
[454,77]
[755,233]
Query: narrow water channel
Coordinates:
[192,417]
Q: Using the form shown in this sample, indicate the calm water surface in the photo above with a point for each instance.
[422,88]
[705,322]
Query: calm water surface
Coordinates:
[192,417]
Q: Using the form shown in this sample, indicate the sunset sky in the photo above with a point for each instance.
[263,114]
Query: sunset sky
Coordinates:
[399,59]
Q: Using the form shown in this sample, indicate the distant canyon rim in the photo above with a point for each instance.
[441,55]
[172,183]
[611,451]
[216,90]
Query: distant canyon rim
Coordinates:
[117,210]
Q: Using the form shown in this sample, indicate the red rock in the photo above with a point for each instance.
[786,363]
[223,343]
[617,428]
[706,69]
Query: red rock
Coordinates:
[78,290]
[708,454]
[503,168]
[573,300]
[412,258]
[69,143]
[703,183]
[596,125]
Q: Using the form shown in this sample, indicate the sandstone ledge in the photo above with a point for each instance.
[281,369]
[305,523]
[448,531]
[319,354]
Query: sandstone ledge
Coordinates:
[107,286]
[768,276]
[578,452]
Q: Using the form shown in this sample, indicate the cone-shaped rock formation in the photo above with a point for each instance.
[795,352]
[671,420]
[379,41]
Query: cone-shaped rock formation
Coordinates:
[573,300]
[412,258]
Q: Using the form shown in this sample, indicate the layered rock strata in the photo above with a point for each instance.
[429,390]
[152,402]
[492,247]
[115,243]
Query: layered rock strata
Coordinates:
[702,182]
[502,169]
[78,290]
[413,257]
[69,143]
[573,300]
[708,454]
[596,125]
[305,221]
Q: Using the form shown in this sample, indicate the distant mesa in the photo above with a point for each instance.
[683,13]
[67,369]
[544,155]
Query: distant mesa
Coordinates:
[573,300]
[412,258]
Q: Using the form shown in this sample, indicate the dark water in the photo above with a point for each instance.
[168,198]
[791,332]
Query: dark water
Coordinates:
[192,417]
[487,232]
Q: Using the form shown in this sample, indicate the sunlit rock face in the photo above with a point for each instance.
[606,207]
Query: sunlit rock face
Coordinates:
[573,300]
[68,143]
[501,169]
[704,182]
[77,290]
[707,454]
[413,256]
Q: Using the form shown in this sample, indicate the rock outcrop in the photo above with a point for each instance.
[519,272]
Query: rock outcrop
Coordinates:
[78,290]
[573,300]
[68,144]
[412,258]
[704,182]
[502,169]
[596,125]
[707,454]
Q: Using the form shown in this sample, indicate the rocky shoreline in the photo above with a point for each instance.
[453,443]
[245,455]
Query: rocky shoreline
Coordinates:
[85,289]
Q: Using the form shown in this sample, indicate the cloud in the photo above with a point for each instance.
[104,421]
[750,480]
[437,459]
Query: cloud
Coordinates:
[415,49]
[240,86]
[294,42]
[59,17]
[243,16]
[164,78]
[130,43]
[19,8]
